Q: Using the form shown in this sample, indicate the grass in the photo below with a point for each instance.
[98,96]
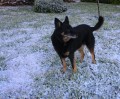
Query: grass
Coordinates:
[23,14]
[28,59]
[2,63]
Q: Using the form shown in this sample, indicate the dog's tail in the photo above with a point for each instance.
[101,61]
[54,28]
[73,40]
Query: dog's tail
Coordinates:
[99,23]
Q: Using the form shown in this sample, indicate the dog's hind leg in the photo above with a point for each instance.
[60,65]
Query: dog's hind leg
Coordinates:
[90,45]
[82,54]
[93,55]
[73,62]
[64,64]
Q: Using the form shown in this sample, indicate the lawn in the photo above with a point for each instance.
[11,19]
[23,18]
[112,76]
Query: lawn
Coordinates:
[31,69]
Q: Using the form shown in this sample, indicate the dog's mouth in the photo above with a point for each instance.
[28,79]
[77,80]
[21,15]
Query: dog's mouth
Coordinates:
[66,38]
[71,36]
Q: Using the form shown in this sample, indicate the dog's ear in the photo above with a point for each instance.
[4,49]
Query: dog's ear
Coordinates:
[66,20]
[57,23]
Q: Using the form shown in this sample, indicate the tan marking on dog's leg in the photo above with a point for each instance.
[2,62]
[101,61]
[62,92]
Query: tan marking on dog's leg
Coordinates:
[81,50]
[64,64]
[75,67]
[93,56]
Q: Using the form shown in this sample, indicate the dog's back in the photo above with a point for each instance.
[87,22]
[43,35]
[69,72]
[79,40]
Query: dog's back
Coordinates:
[85,36]
[84,28]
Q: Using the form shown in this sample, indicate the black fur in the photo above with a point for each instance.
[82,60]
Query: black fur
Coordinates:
[67,39]
[85,35]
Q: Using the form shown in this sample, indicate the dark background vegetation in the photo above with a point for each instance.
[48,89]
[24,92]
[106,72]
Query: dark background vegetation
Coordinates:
[104,1]
[31,2]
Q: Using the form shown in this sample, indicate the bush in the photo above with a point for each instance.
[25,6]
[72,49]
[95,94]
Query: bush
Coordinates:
[49,6]
[110,1]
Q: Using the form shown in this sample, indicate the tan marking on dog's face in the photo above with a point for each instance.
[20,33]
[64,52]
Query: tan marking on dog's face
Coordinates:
[62,33]
[66,39]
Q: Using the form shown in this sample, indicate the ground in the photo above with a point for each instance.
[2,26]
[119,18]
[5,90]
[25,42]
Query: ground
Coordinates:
[31,69]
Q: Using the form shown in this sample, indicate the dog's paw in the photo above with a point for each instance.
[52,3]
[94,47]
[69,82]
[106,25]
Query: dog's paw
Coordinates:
[94,62]
[63,70]
[81,60]
[75,69]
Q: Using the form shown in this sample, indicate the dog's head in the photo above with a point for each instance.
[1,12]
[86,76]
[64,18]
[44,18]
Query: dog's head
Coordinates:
[65,29]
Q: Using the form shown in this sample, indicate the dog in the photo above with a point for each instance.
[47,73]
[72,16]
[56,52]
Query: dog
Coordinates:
[67,39]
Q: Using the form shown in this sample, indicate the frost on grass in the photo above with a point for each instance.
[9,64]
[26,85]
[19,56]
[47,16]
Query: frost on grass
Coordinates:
[31,69]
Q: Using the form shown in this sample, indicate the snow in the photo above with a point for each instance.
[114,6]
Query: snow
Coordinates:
[22,62]
[31,69]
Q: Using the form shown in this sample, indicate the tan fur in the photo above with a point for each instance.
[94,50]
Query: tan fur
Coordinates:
[67,53]
[81,50]
[66,39]
[75,67]
[93,56]
[64,64]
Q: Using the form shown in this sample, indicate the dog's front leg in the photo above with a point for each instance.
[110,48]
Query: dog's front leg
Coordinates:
[64,64]
[73,62]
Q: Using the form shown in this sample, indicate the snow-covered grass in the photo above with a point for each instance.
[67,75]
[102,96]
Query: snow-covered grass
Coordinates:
[31,69]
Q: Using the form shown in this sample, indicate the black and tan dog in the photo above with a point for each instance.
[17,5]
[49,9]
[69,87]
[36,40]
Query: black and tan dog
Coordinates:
[67,39]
